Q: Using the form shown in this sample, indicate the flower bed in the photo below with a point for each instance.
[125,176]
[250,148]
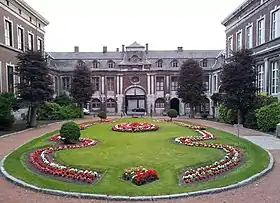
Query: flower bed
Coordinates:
[135,127]
[140,175]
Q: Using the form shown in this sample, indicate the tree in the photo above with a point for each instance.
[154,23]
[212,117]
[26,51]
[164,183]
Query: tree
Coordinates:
[82,88]
[238,82]
[35,85]
[63,99]
[172,113]
[190,84]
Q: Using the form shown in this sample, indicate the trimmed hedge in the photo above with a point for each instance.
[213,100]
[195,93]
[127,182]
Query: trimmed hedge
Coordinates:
[268,117]
[70,132]
[172,113]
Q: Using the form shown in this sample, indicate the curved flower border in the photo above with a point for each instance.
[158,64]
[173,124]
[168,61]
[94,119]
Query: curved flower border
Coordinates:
[135,127]
[232,158]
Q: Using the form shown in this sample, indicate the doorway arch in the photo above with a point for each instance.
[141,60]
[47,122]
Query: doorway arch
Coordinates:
[135,100]
[175,104]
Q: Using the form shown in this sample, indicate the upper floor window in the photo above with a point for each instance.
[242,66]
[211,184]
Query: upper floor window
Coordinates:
[204,63]
[261,31]
[39,44]
[20,38]
[159,63]
[239,40]
[110,83]
[159,83]
[7,3]
[95,64]
[8,33]
[174,83]
[230,46]
[96,84]
[30,41]
[275,24]
[274,77]
[111,64]
[19,11]
[66,83]
[174,63]
[249,37]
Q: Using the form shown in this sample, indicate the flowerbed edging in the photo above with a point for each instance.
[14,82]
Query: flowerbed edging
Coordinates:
[136,198]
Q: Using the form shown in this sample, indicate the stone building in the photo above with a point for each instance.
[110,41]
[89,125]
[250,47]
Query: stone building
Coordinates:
[256,25]
[135,77]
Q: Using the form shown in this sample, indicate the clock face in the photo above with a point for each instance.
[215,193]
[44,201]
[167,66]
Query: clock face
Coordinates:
[135,59]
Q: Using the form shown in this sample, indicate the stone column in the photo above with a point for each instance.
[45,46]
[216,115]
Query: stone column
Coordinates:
[148,85]
[118,85]
[167,84]
[209,84]
[102,85]
[153,84]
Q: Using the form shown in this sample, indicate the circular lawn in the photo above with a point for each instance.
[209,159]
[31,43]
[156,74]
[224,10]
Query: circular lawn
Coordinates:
[157,150]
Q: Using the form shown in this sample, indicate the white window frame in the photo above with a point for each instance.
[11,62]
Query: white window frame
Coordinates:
[29,47]
[250,45]
[174,61]
[260,77]
[274,68]
[7,79]
[112,85]
[111,64]
[229,48]
[262,31]
[12,31]
[239,46]
[23,38]
[277,8]
[39,39]
[215,82]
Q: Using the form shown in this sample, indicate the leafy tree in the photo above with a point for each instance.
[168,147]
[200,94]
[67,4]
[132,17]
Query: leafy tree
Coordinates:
[82,88]
[36,85]
[238,82]
[63,99]
[190,84]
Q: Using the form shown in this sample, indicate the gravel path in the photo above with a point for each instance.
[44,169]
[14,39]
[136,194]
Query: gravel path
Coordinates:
[265,190]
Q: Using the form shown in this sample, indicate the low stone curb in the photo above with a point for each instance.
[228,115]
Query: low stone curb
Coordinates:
[136,198]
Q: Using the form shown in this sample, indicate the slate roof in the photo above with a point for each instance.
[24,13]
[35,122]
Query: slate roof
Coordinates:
[135,45]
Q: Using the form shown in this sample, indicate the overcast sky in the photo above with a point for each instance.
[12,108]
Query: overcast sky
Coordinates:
[164,24]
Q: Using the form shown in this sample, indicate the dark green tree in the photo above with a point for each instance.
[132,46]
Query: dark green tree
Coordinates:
[36,85]
[63,99]
[238,82]
[82,88]
[190,84]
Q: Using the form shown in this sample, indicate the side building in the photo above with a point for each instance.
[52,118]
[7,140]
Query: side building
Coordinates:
[21,28]
[256,25]
[136,77]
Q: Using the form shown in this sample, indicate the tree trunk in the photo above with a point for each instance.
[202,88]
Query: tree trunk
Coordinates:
[33,119]
[192,111]
[82,110]
[239,117]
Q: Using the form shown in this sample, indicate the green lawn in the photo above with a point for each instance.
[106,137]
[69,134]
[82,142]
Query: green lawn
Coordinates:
[118,151]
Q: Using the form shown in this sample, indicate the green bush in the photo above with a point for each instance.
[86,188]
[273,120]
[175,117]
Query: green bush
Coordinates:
[268,117]
[222,113]
[70,132]
[250,120]
[263,100]
[231,117]
[6,117]
[102,115]
[63,100]
[70,112]
[172,113]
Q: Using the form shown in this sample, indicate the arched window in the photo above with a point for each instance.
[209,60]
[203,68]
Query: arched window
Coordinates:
[174,63]
[111,64]
[96,104]
[159,63]
[95,64]
[160,103]
[111,103]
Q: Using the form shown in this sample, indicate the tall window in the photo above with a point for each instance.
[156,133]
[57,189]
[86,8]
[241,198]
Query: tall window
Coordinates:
[110,83]
[230,47]
[215,83]
[96,84]
[111,103]
[261,32]
[159,83]
[174,83]
[111,64]
[174,63]
[239,41]
[39,44]
[275,24]
[8,33]
[274,77]
[249,37]
[66,83]
[204,63]
[260,78]
[95,64]
[30,41]
[20,38]
[11,82]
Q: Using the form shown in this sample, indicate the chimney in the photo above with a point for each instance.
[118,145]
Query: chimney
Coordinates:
[117,50]
[123,48]
[76,49]
[180,49]
[104,49]
[147,47]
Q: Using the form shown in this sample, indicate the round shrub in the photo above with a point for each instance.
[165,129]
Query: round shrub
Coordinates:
[102,115]
[268,117]
[70,132]
[172,113]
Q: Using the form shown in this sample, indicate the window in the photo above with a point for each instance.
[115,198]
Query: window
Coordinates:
[110,83]
[7,3]
[230,47]
[204,63]
[275,24]
[215,82]
[30,41]
[19,11]
[30,19]
[95,64]
[10,77]
[239,40]
[160,103]
[39,25]
[95,81]
[249,37]
[174,83]
[8,33]
[159,83]
[260,78]
[159,63]
[66,83]
[174,63]
[96,104]
[261,32]
[274,77]
[20,38]
[111,64]
[39,44]
[111,103]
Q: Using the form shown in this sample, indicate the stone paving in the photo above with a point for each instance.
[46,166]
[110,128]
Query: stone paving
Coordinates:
[264,190]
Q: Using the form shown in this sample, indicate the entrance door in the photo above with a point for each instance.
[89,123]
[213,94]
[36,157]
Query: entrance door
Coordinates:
[135,98]
[174,104]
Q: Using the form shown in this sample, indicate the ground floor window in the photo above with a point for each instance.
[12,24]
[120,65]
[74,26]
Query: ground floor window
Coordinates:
[260,78]
[160,103]
[96,104]
[111,103]
[274,77]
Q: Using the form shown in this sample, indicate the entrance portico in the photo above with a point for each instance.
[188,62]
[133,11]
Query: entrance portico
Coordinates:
[135,98]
